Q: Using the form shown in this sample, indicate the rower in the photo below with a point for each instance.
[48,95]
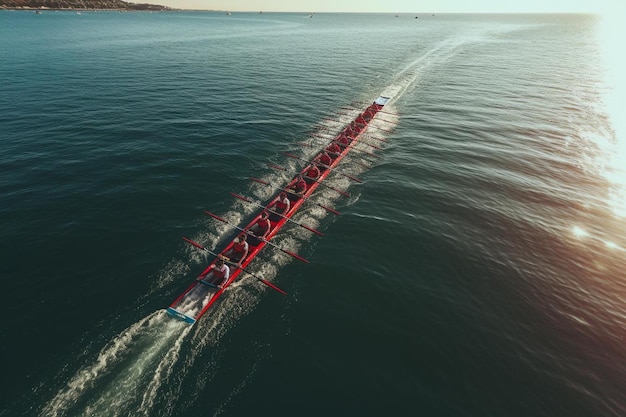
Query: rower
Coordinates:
[312,174]
[239,250]
[260,229]
[297,189]
[219,273]
[281,205]
[355,129]
[344,140]
[324,159]
[333,149]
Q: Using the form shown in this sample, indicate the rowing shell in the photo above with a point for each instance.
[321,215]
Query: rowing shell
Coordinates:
[198,298]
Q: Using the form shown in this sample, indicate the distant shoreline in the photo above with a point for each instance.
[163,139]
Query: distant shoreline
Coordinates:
[80,5]
[75,9]
[158,8]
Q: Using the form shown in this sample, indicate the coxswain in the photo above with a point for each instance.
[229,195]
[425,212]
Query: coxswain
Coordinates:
[219,273]
[239,250]
[297,189]
[281,207]
[260,229]
[312,174]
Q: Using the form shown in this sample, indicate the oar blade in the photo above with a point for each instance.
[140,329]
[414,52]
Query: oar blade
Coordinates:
[197,245]
[329,209]
[241,197]
[260,181]
[355,179]
[272,286]
[317,232]
[295,255]
[215,216]
[277,167]
[343,193]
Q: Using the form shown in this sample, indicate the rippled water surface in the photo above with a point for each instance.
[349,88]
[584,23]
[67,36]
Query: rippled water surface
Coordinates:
[477,271]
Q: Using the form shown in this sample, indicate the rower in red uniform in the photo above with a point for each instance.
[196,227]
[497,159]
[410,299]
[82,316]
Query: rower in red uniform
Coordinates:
[324,159]
[355,129]
[312,174]
[281,205]
[239,250]
[219,273]
[297,189]
[333,149]
[260,229]
[344,140]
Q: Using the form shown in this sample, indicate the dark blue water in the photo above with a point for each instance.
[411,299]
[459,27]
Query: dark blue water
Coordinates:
[477,271]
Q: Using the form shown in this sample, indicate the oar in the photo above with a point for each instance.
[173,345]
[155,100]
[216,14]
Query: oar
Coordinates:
[289,191]
[269,284]
[325,166]
[295,255]
[378,118]
[378,139]
[370,145]
[353,144]
[343,193]
[317,232]
[376,127]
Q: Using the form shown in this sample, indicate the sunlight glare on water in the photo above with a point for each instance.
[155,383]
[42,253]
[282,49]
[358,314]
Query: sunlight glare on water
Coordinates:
[611,35]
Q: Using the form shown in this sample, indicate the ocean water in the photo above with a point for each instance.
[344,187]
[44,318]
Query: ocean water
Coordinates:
[477,271]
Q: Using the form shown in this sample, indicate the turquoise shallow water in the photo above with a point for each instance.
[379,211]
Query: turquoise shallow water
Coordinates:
[477,271]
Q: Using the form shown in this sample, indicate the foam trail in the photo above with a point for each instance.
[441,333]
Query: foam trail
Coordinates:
[120,369]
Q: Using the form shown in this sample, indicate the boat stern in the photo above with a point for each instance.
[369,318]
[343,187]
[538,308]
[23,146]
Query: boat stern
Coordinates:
[180,316]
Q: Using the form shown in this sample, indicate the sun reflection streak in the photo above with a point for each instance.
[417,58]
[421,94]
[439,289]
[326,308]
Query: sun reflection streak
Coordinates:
[582,234]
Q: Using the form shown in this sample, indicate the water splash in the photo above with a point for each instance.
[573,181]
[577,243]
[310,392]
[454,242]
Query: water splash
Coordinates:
[118,373]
